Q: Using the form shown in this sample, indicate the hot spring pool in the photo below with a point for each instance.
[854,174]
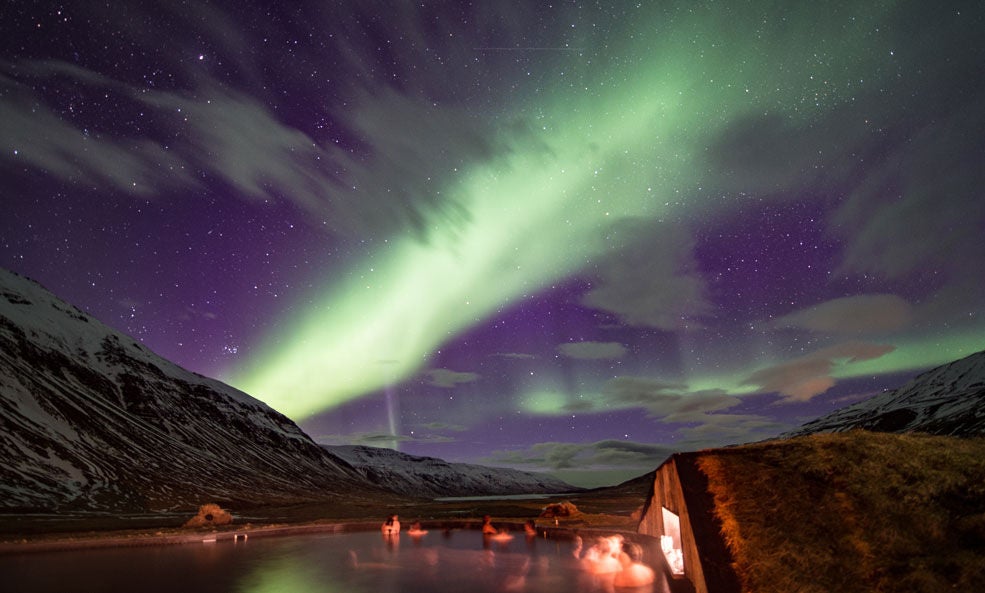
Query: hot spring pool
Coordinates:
[457,561]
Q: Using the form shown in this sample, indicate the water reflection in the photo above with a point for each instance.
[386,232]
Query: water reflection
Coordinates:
[283,574]
[432,561]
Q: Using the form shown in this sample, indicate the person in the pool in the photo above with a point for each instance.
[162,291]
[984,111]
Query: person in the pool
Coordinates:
[487,527]
[603,556]
[634,573]
[391,526]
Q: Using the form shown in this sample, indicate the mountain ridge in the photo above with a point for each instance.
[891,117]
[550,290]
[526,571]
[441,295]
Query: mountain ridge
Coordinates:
[948,400]
[94,421]
[414,475]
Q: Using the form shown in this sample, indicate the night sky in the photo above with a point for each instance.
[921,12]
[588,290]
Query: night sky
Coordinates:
[568,237]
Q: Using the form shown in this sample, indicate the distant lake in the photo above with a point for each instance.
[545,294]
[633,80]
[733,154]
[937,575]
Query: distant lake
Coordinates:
[439,562]
[499,497]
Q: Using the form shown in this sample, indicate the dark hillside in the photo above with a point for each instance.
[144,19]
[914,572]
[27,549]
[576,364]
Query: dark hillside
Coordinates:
[91,421]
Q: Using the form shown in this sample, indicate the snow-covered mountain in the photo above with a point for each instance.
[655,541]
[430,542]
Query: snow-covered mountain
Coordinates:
[431,477]
[947,400]
[90,420]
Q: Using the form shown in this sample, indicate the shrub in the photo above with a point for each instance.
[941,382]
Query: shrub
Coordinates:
[209,515]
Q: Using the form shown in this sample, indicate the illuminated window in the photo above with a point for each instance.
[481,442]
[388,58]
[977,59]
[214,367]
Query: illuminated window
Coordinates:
[670,542]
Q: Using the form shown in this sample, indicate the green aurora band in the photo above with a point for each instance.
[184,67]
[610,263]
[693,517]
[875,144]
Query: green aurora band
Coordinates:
[625,140]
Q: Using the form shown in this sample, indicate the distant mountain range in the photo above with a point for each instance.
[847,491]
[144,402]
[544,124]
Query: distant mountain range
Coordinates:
[431,477]
[91,420]
[947,400]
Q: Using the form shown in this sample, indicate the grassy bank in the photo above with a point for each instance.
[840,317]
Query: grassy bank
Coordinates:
[607,509]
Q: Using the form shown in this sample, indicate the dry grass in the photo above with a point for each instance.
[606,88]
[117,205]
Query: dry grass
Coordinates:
[855,511]
[209,515]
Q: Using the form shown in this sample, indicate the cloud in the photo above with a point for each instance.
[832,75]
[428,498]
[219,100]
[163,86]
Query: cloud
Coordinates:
[606,454]
[916,211]
[372,439]
[926,185]
[904,154]
[698,416]
[650,278]
[634,458]
[803,378]
[515,355]
[365,152]
[717,430]
[379,439]
[670,401]
[761,152]
[444,426]
[35,135]
[854,351]
[228,136]
[859,314]
[799,379]
[592,350]
[214,136]
[448,379]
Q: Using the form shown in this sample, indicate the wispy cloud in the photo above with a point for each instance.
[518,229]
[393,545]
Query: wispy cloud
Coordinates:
[672,402]
[859,314]
[605,454]
[379,439]
[447,378]
[803,378]
[716,430]
[515,355]
[592,350]
[444,427]
[215,136]
[35,135]
[650,277]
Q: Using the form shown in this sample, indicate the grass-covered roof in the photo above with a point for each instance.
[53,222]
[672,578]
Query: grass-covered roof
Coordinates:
[857,511]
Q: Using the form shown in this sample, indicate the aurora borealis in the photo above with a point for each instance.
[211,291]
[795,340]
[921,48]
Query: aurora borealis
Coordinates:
[567,237]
